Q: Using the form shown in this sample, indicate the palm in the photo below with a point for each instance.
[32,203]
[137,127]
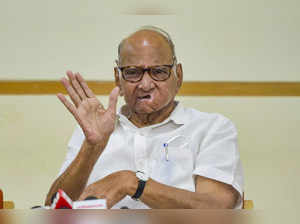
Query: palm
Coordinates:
[100,122]
[96,122]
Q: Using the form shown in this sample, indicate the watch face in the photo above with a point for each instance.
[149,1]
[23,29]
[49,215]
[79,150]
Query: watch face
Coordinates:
[142,176]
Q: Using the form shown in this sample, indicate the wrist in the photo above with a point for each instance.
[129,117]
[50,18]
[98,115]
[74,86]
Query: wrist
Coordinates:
[99,144]
[90,152]
[131,183]
[142,180]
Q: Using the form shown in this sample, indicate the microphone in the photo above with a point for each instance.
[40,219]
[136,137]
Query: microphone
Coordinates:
[36,207]
[90,198]
[53,197]
[61,201]
[51,203]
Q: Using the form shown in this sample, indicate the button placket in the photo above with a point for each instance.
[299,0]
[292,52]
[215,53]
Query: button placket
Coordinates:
[140,149]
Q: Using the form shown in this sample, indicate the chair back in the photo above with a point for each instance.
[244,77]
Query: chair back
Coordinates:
[247,204]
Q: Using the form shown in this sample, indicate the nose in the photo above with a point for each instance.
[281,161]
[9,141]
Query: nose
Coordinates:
[147,83]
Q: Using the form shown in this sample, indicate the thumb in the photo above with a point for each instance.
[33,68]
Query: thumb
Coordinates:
[113,99]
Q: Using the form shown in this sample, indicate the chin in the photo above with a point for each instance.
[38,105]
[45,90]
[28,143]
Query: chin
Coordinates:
[148,107]
[144,110]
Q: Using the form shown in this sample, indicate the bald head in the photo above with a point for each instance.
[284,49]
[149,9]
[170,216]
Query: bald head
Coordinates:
[143,43]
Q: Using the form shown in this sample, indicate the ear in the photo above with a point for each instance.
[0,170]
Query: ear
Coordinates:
[179,74]
[117,80]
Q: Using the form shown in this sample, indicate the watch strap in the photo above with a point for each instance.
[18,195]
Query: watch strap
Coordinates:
[139,190]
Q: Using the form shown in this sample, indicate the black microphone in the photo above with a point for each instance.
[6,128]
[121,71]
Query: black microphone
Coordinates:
[53,197]
[90,198]
[36,207]
[51,201]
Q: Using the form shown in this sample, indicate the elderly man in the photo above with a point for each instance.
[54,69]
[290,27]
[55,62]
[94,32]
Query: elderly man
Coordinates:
[153,153]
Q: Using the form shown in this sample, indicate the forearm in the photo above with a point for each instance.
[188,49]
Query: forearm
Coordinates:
[160,196]
[75,177]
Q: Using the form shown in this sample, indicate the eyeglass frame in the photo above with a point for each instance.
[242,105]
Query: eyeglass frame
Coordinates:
[147,70]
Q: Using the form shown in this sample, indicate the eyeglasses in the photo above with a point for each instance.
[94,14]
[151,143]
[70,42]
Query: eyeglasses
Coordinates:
[136,73]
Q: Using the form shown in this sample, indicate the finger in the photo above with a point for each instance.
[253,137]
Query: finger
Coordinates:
[67,104]
[76,85]
[113,197]
[113,100]
[83,196]
[73,95]
[87,192]
[84,85]
[73,111]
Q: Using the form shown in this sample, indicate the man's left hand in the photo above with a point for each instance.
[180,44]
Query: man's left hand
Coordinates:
[113,187]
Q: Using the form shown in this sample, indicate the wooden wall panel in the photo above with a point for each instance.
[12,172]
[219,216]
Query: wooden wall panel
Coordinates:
[16,87]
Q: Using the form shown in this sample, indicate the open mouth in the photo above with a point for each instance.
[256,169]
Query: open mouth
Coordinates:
[144,97]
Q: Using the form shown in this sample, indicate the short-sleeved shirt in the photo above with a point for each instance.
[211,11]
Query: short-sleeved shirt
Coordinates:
[173,152]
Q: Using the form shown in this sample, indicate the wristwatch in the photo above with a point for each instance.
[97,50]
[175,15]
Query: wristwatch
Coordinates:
[143,177]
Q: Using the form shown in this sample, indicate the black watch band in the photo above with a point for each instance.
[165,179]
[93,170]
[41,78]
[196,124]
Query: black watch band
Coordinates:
[139,190]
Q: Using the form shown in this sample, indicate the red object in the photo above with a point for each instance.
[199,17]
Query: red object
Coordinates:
[62,201]
[1,199]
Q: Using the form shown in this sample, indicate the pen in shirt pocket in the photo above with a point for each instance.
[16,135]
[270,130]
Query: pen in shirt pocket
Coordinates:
[178,140]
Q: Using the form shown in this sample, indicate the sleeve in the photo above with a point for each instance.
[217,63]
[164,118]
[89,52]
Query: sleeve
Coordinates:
[74,146]
[218,157]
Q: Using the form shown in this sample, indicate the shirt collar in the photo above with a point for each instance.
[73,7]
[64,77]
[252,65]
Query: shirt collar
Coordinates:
[177,115]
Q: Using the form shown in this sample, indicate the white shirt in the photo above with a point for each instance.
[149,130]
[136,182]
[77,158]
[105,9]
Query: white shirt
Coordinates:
[198,144]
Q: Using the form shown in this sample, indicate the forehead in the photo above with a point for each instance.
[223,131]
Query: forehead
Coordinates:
[145,48]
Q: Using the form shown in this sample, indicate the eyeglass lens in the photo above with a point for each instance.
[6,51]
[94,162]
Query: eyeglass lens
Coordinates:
[159,73]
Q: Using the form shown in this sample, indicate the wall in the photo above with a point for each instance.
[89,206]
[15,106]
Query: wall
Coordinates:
[216,40]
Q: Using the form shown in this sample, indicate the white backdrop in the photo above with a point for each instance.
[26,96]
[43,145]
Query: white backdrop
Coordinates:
[240,40]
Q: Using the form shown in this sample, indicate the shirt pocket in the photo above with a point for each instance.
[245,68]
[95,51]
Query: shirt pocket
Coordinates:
[172,164]
[181,156]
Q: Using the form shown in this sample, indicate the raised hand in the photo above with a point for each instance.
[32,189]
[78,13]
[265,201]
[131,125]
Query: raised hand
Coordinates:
[96,122]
